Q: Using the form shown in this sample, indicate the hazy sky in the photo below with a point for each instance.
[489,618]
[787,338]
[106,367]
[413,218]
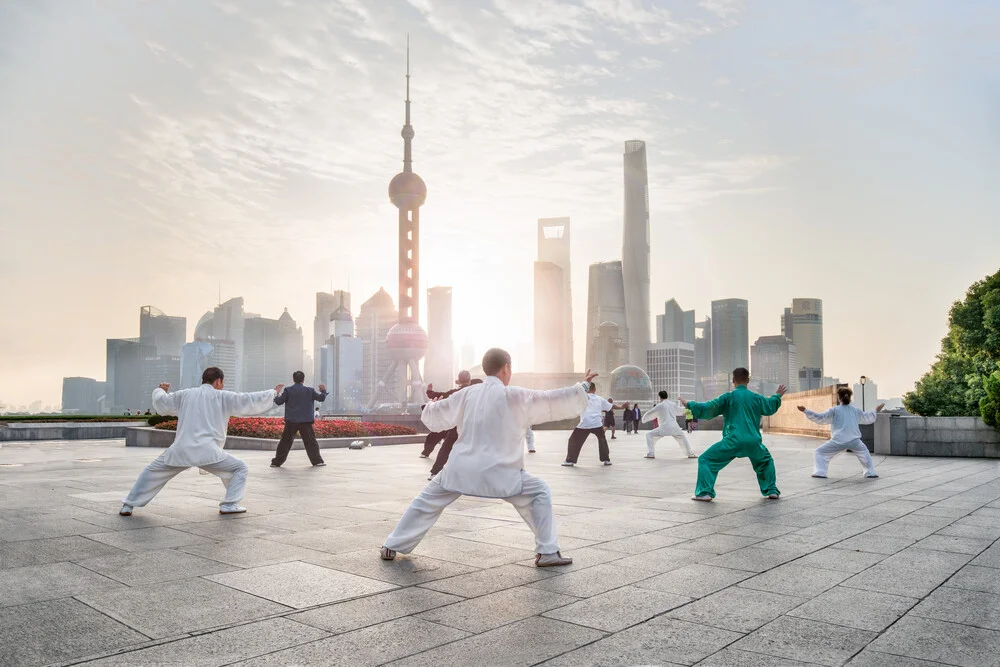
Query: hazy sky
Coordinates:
[149,150]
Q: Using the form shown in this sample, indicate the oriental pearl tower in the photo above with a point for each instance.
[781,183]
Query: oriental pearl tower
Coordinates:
[407,341]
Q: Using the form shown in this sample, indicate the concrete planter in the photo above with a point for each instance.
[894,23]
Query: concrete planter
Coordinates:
[151,437]
[967,437]
[65,431]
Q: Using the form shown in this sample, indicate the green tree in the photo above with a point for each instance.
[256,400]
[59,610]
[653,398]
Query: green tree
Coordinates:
[959,382]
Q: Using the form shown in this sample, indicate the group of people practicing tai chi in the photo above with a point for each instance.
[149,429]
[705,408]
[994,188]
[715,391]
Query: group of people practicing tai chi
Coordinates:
[484,426]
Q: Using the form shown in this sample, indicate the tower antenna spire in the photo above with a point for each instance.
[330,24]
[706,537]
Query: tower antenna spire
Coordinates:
[407,132]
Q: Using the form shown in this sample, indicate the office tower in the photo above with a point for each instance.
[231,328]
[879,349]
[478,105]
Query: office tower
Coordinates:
[671,366]
[773,359]
[124,390]
[272,351]
[326,303]
[553,298]
[227,324]
[407,341]
[82,396]
[810,378]
[342,365]
[377,316]
[730,335]
[439,364]
[165,333]
[206,353]
[635,250]
[675,325]
[803,325]
[703,367]
[606,306]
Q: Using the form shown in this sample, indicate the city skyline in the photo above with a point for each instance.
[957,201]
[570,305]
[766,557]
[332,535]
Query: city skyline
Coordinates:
[156,182]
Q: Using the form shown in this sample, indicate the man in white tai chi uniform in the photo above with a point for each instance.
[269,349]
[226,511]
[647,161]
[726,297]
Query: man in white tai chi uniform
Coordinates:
[488,457]
[844,433]
[666,412]
[202,420]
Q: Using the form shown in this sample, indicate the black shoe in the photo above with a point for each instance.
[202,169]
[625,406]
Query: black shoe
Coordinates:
[319,465]
[275,465]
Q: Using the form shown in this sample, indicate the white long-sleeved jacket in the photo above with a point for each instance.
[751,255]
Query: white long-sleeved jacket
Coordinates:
[844,420]
[202,419]
[666,412]
[488,456]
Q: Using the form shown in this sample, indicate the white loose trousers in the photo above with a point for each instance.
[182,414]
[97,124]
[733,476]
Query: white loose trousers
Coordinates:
[534,504]
[663,431]
[231,470]
[829,449]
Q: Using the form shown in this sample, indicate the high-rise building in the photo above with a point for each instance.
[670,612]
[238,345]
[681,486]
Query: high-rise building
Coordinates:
[810,378]
[377,316]
[157,369]
[125,357]
[82,396]
[635,251]
[606,305]
[165,333]
[342,365]
[773,359]
[730,335]
[326,303]
[206,353]
[272,351]
[227,324]
[672,367]
[803,325]
[703,356]
[439,364]
[553,298]
[675,325]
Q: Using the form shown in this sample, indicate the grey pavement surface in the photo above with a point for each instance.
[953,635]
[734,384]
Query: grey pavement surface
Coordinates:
[902,570]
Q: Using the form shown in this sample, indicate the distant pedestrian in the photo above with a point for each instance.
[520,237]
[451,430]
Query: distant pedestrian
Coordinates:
[628,417]
[609,418]
[690,423]
[299,418]
[845,436]
[636,417]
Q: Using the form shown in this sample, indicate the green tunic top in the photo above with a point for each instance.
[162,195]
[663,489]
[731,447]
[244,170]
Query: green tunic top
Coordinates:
[741,410]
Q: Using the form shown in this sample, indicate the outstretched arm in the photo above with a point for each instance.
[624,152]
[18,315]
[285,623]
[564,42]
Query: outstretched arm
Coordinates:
[248,404]
[282,398]
[164,403]
[708,410]
[538,407]
[770,405]
[651,414]
[442,414]
[818,417]
[321,394]
[870,416]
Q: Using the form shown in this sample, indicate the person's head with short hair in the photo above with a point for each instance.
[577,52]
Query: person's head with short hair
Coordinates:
[476,381]
[298,377]
[741,376]
[664,395]
[214,376]
[496,363]
[464,379]
[844,395]
[593,388]
[627,405]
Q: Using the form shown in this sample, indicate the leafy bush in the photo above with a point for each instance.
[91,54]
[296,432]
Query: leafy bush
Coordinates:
[271,427]
[159,419]
[989,405]
[20,419]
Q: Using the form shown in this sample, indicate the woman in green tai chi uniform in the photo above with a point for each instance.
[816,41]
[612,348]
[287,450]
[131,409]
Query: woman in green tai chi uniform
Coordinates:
[741,410]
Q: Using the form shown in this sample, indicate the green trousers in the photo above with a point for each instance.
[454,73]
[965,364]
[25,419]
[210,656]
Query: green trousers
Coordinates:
[721,454]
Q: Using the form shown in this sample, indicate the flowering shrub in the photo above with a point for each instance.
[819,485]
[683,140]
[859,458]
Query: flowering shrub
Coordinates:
[271,427]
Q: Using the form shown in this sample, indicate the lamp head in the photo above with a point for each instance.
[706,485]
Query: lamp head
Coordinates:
[863,379]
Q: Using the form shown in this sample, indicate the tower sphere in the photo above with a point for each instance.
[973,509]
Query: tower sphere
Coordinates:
[406,341]
[407,191]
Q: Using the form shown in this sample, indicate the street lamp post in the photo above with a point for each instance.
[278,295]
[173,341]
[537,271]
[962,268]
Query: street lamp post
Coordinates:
[863,381]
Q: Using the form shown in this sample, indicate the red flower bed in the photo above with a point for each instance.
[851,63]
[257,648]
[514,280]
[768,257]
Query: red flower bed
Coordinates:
[271,428]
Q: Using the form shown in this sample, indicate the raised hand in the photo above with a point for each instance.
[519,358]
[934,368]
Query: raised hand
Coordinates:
[589,376]
[782,390]
[322,387]
[879,408]
[802,408]
[280,388]
[165,386]
[683,402]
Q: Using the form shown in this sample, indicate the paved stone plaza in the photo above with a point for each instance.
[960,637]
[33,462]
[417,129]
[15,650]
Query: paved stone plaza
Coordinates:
[903,570]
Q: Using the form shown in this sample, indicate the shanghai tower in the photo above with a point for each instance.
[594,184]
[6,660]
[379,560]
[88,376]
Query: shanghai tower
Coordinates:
[635,252]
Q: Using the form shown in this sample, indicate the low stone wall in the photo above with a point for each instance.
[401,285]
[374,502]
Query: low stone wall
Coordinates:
[896,435]
[151,437]
[64,431]
[789,421]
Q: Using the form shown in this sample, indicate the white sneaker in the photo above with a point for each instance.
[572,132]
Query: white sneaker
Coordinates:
[387,554]
[231,508]
[126,510]
[552,560]
[773,496]
[423,456]
[607,463]
[705,499]
[568,464]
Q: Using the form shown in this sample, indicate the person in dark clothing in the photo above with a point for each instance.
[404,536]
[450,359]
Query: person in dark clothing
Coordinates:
[464,380]
[450,438]
[299,418]
[636,417]
[628,416]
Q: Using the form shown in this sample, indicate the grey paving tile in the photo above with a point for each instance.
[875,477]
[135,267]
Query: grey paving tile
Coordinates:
[43,529]
[151,567]
[974,578]
[618,609]
[661,641]
[801,639]
[855,608]
[58,630]
[515,535]
[520,644]
[638,544]
[844,560]
[695,581]
[330,540]
[959,605]
[876,542]
[958,545]
[230,530]
[491,611]
[731,657]
[52,550]
[220,648]
[371,646]
[374,609]
[35,583]
[300,585]
[869,658]
[666,559]
[593,580]
[719,543]
[797,580]
[177,607]
[960,529]
[475,554]
[760,530]
[483,582]
[149,539]
[404,571]
[582,559]
[949,643]
[752,559]
[989,558]
[737,609]
[251,552]
[911,572]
